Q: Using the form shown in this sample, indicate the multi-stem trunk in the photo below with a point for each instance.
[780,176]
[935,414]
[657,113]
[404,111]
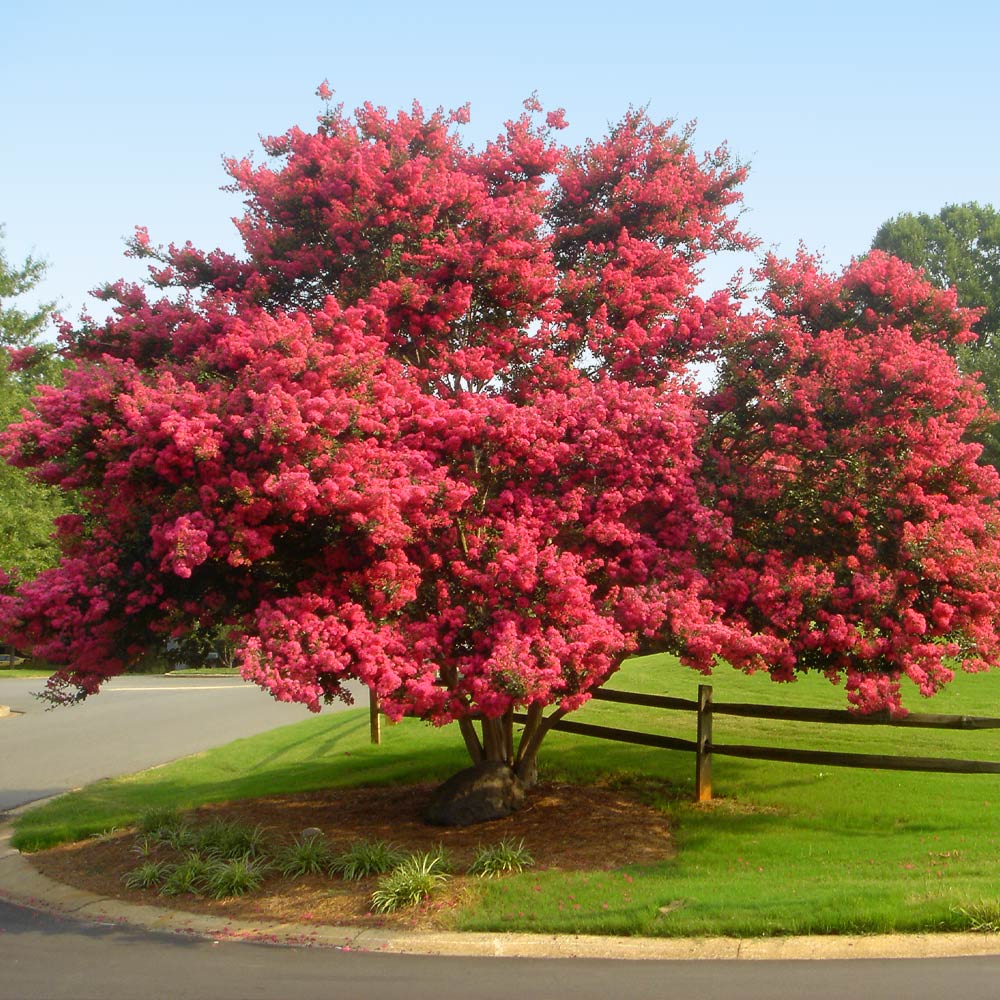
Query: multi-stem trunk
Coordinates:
[495,740]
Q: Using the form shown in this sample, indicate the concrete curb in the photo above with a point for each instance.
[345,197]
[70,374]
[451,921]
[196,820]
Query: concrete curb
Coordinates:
[22,885]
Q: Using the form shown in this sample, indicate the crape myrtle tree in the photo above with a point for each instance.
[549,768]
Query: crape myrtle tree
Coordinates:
[434,430]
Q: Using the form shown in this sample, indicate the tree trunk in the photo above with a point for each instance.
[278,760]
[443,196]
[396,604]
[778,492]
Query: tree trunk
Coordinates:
[472,744]
[535,730]
[496,783]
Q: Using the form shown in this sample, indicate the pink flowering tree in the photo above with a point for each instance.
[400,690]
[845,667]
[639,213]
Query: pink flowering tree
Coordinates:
[434,430]
[864,528]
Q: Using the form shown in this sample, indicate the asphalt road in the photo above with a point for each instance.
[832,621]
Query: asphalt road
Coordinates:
[133,723]
[41,957]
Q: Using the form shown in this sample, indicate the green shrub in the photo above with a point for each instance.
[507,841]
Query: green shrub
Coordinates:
[188,876]
[304,856]
[369,857]
[149,875]
[410,882]
[234,877]
[504,858]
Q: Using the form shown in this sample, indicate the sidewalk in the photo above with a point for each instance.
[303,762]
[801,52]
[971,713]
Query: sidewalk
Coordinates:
[22,885]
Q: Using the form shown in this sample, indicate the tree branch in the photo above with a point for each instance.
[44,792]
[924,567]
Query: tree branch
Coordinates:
[472,744]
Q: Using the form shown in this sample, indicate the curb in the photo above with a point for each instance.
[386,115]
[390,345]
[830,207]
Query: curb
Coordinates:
[22,885]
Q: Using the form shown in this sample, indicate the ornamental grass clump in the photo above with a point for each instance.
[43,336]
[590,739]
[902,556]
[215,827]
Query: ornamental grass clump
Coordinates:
[505,858]
[149,875]
[176,833]
[234,877]
[190,876]
[219,859]
[305,855]
[983,917]
[410,882]
[145,846]
[229,841]
[366,858]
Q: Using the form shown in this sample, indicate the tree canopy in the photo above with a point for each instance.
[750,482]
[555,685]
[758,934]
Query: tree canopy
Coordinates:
[863,525]
[27,509]
[435,430]
[960,248]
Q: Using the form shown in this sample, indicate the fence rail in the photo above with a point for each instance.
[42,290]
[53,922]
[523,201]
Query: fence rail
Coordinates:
[704,747]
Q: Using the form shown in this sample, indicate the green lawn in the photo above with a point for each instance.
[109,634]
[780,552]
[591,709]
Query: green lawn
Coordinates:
[786,849]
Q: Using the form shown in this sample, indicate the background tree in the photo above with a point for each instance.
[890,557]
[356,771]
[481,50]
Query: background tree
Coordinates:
[960,248]
[27,509]
[435,431]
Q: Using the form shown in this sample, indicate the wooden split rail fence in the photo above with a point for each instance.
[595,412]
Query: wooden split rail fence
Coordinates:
[704,747]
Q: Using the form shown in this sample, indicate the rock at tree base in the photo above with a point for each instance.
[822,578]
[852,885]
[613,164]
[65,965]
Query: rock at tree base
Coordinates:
[483,792]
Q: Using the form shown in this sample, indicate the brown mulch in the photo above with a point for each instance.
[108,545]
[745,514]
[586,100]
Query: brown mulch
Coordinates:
[564,827]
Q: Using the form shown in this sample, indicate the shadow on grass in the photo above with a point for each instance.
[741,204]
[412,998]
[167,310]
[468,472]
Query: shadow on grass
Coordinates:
[308,756]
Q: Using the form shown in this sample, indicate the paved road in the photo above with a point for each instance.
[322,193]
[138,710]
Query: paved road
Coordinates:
[41,957]
[134,723]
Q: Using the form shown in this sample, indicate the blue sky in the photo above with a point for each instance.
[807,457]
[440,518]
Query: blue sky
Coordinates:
[117,114]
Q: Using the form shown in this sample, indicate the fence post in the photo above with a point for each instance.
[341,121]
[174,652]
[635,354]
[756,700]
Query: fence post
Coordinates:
[703,767]
[375,720]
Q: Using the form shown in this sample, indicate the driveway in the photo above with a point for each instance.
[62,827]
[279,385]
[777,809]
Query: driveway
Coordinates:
[134,723]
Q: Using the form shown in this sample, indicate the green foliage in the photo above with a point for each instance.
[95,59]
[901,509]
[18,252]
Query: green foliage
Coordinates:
[306,855]
[27,508]
[505,858]
[412,881]
[222,859]
[192,875]
[368,857]
[224,840]
[149,875]
[145,845]
[179,835]
[982,917]
[217,839]
[225,879]
[960,247]
[152,821]
[17,327]
[439,859]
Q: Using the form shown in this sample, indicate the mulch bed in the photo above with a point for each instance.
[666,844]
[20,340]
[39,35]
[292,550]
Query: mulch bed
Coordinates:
[565,827]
